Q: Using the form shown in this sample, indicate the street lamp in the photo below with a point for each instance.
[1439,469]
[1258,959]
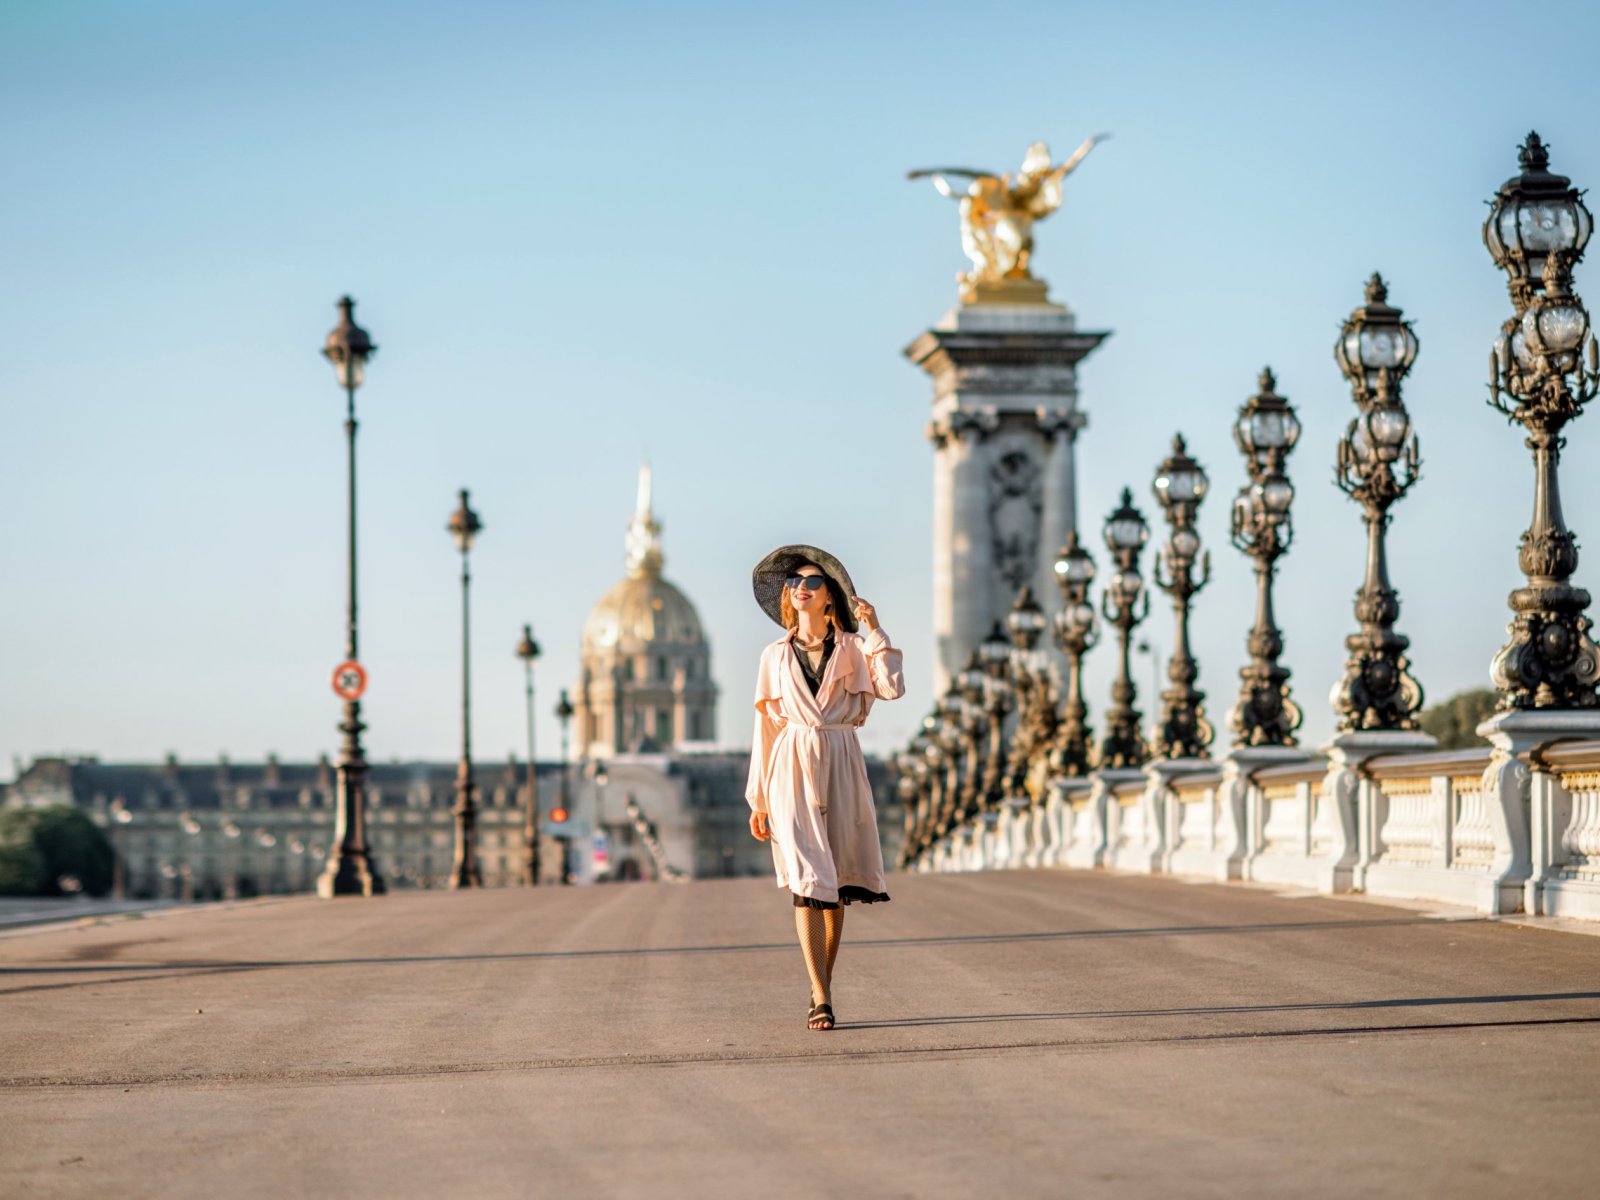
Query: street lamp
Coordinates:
[1180,485]
[464,526]
[1125,535]
[121,818]
[1536,231]
[564,711]
[601,778]
[350,870]
[1266,431]
[1378,462]
[1077,632]
[528,652]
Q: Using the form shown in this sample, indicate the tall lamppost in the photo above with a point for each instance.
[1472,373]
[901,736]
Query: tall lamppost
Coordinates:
[1125,534]
[350,870]
[120,820]
[1000,698]
[1378,462]
[1536,232]
[464,526]
[1266,430]
[564,711]
[1077,632]
[1031,688]
[952,746]
[1180,486]
[528,652]
[974,681]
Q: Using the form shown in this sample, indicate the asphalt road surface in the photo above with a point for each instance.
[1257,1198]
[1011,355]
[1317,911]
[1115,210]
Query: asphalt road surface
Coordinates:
[1017,1033]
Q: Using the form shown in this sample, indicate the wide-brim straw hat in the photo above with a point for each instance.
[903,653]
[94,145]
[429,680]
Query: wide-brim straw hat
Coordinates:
[770,573]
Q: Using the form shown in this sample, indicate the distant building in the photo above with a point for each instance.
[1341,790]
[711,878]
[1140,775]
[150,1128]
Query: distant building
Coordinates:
[223,830]
[645,677]
[646,720]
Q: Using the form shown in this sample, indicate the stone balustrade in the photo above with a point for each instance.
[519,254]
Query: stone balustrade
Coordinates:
[1482,829]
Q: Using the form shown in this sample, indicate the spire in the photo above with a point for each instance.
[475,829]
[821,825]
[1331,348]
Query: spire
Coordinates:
[644,534]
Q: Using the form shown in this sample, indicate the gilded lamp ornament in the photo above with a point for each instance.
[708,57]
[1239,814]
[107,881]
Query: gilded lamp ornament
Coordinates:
[1377,465]
[1543,370]
[997,216]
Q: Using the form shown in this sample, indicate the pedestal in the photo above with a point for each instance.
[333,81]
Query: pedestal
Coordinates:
[1160,831]
[1350,814]
[1239,815]
[1004,422]
[1516,881]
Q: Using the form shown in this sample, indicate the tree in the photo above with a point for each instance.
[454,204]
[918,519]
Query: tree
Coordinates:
[42,848]
[1455,721]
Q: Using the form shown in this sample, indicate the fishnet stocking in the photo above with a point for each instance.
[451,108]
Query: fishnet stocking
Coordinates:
[809,924]
[833,934]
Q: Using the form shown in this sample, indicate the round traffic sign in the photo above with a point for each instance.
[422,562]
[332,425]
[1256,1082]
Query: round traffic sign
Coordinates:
[349,680]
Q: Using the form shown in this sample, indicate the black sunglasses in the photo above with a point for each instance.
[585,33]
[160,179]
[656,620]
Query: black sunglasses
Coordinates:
[811,583]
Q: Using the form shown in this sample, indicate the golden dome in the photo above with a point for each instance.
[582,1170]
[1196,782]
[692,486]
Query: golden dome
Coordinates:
[644,609]
[641,611]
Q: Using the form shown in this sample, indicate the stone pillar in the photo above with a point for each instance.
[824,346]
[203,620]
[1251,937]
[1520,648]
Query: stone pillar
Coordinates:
[1004,425]
[1519,738]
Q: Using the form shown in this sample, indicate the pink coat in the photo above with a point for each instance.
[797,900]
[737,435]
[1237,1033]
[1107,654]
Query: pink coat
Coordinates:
[806,770]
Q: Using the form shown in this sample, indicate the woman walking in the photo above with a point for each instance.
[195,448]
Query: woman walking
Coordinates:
[808,788]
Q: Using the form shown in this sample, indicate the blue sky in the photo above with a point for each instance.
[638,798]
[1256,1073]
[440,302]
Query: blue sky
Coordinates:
[584,234]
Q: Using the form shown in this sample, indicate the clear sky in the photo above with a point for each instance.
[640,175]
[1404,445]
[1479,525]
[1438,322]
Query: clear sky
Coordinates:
[585,233]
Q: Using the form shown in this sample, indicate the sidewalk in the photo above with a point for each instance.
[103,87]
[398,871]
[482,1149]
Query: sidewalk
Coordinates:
[1025,1033]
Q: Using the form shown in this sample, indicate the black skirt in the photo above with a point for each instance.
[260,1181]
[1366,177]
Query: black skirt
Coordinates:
[850,893]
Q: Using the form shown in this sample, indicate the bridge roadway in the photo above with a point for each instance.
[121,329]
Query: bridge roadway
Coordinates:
[1025,1033]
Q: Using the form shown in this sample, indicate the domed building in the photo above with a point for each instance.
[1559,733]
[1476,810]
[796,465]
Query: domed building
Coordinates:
[645,684]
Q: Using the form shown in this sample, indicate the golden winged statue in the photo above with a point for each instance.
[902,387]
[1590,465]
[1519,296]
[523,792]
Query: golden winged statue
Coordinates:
[997,216]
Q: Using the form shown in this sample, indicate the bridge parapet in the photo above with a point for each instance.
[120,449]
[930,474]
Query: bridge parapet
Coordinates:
[1471,827]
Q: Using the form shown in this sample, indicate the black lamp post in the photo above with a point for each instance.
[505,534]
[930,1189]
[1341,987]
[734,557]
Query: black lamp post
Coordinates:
[564,711]
[1265,431]
[974,730]
[1546,365]
[1077,632]
[1125,533]
[999,699]
[464,526]
[1378,462]
[1180,486]
[952,746]
[528,652]
[350,870]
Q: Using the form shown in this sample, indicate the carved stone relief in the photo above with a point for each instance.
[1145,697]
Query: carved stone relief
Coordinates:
[1015,502]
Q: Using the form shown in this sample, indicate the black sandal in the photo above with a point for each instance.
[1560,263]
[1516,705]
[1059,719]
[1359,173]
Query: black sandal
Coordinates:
[820,1012]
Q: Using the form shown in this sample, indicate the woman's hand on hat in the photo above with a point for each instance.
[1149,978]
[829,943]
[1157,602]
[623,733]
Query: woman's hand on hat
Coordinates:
[760,826]
[866,615]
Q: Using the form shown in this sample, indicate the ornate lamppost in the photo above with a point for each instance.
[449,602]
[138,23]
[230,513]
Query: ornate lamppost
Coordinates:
[1032,692]
[1180,486]
[1077,632]
[1536,232]
[1266,431]
[564,711]
[1126,532]
[350,870]
[999,699]
[1378,462]
[528,652]
[972,681]
[464,526]
[952,745]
